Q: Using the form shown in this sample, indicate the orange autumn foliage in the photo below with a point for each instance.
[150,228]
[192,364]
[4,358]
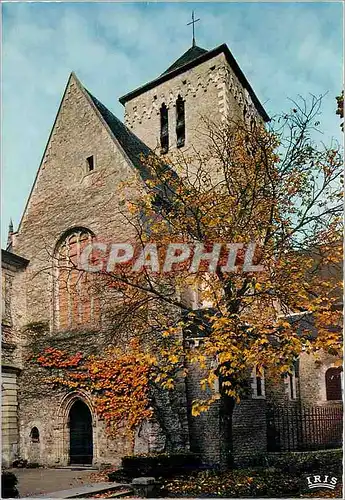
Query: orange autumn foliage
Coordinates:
[118,381]
[277,188]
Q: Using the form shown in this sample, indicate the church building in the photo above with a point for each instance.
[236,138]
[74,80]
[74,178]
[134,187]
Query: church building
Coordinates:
[74,196]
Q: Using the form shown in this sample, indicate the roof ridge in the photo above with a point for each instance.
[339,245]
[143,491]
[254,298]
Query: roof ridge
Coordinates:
[106,110]
[134,148]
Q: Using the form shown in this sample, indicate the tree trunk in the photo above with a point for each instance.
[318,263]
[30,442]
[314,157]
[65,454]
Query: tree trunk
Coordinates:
[226,444]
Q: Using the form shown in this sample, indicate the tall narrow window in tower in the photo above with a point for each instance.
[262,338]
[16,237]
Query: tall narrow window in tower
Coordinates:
[75,300]
[180,122]
[164,129]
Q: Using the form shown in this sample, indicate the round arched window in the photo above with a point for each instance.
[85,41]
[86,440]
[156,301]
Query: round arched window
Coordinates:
[75,302]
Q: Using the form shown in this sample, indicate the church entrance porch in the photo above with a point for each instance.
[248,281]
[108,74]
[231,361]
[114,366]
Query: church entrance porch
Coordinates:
[80,427]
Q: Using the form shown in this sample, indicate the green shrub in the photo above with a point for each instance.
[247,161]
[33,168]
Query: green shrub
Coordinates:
[8,485]
[159,464]
[33,465]
[313,461]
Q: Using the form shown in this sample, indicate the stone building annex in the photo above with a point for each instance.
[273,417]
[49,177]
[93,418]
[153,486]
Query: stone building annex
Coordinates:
[69,203]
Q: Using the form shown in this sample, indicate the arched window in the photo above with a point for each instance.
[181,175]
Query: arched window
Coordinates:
[180,122]
[75,300]
[333,384]
[164,129]
[35,435]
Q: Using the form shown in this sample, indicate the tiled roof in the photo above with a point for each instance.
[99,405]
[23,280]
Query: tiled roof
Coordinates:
[191,54]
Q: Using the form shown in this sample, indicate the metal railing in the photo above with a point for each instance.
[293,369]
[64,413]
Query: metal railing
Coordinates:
[304,428]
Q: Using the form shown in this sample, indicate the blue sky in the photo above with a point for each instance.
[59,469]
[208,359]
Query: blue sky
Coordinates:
[284,49]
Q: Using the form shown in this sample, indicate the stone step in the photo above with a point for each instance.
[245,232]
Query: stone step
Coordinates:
[78,467]
[84,491]
[123,493]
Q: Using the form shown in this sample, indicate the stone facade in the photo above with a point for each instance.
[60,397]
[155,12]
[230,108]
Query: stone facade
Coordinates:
[312,383]
[66,195]
[210,90]
[11,362]
[205,92]
[88,155]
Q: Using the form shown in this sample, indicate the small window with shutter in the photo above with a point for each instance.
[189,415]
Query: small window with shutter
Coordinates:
[90,163]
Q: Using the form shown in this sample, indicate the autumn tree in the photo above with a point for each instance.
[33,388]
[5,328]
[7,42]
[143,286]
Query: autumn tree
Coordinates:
[278,187]
[340,108]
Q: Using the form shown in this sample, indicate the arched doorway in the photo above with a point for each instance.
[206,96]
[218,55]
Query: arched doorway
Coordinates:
[80,427]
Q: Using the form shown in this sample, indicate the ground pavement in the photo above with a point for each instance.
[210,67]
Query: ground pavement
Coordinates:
[32,482]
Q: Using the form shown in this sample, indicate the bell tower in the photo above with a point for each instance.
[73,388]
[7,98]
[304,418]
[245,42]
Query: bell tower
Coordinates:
[167,113]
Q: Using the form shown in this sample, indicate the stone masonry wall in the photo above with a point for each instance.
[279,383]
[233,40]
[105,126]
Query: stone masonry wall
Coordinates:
[66,196]
[11,360]
[204,429]
[9,417]
[249,429]
[312,378]
[210,90]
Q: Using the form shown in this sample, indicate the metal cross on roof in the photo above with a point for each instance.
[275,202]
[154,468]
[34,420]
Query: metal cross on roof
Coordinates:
[193,21]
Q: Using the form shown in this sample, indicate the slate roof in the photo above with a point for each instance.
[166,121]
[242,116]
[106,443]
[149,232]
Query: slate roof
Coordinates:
[10,258]
[190,55]
[130,143]
[134,148]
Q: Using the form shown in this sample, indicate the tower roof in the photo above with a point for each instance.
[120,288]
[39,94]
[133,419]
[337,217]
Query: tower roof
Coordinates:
[193,57]
[193,53]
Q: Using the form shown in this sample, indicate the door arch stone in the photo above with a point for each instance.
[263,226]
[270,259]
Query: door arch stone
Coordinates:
[62,431]
[80,431]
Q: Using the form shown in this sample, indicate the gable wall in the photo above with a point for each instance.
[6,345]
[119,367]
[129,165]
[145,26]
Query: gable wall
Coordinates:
[66,195]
